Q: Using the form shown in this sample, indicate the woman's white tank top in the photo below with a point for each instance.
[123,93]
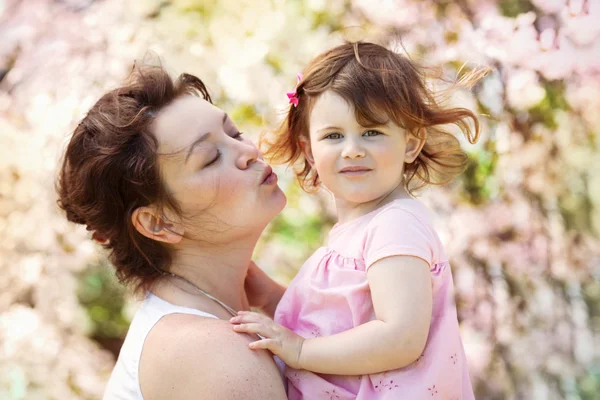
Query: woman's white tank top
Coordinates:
[124,382]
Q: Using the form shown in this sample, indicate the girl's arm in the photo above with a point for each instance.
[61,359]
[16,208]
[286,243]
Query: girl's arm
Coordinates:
[402,300]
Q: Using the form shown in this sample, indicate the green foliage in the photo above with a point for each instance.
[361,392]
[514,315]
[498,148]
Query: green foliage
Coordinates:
[245,114]
[202,7]
[512,8]
[591,295]
[576,209]
[554,100]
[589,384]
[274,61]
[325,19]
[294,227]
[477,181]
[103,298]
[451,37]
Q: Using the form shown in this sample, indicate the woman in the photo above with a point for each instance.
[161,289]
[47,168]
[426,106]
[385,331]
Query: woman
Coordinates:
[179,196]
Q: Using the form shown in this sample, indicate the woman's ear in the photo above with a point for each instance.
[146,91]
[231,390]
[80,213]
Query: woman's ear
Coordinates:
[414,145]
[152,224]
[306,150]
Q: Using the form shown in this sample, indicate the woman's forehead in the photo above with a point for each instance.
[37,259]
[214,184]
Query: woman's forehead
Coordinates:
[185,119]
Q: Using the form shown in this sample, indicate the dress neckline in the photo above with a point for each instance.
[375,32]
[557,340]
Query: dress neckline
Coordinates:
[340,226]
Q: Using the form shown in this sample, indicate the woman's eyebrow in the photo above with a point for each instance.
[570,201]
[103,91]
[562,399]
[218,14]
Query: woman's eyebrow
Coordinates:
[201,139]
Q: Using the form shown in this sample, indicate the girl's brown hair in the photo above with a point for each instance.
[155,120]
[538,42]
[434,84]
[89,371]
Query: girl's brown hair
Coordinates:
[380,85]
[110,168]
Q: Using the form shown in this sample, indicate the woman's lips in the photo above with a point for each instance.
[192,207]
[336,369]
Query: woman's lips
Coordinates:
[269,177]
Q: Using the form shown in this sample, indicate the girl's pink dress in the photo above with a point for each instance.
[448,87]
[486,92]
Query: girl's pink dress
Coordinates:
[331,294]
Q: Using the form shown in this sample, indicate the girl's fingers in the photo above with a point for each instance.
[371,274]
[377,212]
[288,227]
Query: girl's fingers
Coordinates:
[247,317]
[249,313]
[267,344]
[254,328]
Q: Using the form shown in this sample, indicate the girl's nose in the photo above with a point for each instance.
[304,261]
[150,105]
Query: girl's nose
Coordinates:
[353,149]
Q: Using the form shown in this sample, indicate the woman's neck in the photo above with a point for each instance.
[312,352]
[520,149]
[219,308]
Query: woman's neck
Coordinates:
[219,271]
[348,210]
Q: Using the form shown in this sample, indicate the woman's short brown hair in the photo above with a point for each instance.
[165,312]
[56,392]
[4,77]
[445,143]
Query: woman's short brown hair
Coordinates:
[110,168]
[381,85]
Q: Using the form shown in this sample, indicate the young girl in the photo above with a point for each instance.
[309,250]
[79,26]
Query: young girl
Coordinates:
[371,315]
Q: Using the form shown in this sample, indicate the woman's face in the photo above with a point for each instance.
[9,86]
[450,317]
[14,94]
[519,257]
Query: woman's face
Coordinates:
[217,176]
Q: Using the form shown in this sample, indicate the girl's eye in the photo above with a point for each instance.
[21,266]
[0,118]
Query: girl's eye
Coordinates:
[214,160]
[372,132]
[334,136]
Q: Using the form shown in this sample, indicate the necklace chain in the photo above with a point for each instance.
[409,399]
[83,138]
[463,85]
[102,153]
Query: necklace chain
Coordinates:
[219,302]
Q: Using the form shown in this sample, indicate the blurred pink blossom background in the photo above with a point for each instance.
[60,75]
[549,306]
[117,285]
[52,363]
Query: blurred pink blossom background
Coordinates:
[522,225]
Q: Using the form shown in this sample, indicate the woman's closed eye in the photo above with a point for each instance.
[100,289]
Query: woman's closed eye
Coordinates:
[238,135]
[214,160]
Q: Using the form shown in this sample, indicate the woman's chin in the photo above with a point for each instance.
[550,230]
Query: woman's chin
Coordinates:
[282,198]
[276,204]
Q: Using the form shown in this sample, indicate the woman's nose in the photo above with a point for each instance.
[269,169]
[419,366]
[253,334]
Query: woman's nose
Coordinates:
[248,153]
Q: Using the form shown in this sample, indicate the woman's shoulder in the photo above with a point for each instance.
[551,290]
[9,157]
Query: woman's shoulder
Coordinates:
[187,356]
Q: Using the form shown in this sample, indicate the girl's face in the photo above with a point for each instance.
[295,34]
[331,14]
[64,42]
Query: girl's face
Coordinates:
[357,164]
[217,175]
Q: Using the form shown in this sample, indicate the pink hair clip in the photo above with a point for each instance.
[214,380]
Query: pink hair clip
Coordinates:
[292,96]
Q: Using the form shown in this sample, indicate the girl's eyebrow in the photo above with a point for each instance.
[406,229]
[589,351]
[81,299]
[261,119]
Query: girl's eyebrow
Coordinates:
[329,127]
[378,125]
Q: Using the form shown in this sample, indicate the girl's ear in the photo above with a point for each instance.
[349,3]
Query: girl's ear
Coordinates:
[306,150]
[414,145]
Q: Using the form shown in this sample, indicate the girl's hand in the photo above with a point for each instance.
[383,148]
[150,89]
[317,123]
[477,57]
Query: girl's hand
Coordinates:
[282,342]
[262,292]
